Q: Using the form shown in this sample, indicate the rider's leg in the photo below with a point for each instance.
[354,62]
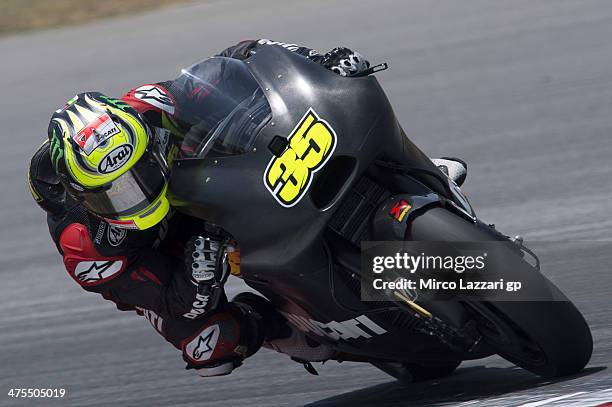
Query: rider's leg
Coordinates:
[218,341]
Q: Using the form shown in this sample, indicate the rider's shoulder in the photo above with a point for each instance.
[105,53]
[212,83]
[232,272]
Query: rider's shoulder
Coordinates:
[79,231]
[151,98]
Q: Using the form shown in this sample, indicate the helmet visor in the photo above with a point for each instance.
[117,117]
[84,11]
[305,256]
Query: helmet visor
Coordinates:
[131,192]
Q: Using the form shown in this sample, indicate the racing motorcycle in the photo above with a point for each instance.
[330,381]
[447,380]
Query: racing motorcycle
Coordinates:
[300,166]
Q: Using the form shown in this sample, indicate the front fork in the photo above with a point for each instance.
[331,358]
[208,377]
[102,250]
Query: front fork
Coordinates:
[447,320]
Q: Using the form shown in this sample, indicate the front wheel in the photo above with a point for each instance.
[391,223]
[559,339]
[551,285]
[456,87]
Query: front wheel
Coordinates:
[547,338]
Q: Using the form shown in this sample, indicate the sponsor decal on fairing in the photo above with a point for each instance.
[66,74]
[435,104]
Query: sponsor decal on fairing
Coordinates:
[311,144]
[399,210]
[354,328]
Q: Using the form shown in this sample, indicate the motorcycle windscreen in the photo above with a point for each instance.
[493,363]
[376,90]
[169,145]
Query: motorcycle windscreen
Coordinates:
[221,108]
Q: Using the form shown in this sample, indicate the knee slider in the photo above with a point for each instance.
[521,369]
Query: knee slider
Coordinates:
[224,337]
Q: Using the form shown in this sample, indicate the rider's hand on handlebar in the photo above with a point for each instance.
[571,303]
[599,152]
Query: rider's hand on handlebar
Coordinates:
[345,62]
[206,261]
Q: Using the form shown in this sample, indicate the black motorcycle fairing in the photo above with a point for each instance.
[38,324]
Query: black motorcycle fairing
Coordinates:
[231,191]
[392,219]
[282,226]
[282,247]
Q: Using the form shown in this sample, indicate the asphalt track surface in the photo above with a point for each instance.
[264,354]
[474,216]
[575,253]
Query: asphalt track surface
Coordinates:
[520,89]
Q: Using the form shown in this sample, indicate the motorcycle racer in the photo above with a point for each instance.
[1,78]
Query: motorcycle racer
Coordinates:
[102,179]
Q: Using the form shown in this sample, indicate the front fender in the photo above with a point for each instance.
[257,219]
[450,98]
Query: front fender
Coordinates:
[392,219]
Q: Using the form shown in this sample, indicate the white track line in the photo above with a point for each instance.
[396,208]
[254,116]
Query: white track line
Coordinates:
[544,402]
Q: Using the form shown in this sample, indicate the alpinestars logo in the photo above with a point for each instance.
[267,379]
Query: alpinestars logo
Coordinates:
[202,346]
[90,271]
[155,96]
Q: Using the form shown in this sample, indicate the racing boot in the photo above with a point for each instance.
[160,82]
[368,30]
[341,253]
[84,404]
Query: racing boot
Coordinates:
[454,168]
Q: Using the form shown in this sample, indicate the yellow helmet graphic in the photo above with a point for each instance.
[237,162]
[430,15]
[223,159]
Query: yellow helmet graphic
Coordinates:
[105,155]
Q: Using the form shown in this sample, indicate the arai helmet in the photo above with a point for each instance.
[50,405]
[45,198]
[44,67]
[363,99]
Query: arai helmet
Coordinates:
[105,156]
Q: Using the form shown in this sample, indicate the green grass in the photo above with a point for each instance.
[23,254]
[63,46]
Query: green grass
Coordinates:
[25,15]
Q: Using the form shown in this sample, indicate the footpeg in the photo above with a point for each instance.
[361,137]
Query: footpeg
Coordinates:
[307,365]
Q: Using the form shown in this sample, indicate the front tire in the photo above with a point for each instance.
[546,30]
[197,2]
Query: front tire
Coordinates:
[550,339]
[547,338]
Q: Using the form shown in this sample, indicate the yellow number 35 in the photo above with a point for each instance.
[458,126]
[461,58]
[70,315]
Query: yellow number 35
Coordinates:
[311,143]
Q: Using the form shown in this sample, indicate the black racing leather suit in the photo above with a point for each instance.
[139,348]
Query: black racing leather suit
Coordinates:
[144,271]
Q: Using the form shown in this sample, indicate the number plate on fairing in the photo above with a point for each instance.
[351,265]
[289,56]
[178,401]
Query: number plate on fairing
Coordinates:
[311,144]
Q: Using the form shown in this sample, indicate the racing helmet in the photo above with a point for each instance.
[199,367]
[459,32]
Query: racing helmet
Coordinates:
[106,157]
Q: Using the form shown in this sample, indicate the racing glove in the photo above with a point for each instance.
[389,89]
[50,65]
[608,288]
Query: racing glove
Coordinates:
[345,62]
[207,266]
